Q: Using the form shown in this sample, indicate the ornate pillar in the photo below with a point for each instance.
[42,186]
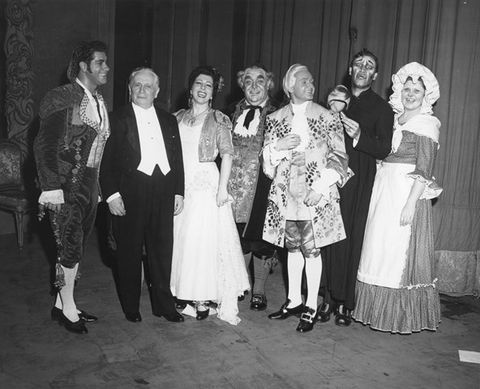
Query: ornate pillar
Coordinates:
[19,50]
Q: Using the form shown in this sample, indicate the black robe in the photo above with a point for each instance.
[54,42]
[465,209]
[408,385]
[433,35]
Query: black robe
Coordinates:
[341,259]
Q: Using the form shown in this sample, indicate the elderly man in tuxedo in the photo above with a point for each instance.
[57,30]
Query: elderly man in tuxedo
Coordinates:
[142,179]
[248,184]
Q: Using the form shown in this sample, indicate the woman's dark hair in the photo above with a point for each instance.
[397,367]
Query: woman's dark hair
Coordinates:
[209,71]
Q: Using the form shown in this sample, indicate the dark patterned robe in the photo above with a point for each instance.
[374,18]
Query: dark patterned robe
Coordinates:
[248,184]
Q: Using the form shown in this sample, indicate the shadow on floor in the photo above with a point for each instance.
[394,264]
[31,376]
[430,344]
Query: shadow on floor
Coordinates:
[258,353]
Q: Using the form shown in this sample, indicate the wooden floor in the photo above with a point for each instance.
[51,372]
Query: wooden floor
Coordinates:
[258,353]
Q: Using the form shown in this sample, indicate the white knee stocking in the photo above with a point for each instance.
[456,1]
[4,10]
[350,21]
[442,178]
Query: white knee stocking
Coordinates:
[66,294]
[313,271]
[295,265]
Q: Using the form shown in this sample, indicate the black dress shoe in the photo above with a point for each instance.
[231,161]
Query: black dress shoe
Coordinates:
[285,312]
[307,320]
[344,316]
[77,327]
[258,303]
[174,317]
[133,317]
[56,313]
[86,317]
[324,312]
[180,304]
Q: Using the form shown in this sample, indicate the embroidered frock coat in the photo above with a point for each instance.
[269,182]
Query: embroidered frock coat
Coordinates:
[325,149]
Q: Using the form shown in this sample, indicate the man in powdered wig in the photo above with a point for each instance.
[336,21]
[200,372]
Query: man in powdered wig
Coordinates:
[304,154]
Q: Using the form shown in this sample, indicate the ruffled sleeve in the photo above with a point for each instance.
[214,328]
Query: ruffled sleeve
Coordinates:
[426,151]
[337,159]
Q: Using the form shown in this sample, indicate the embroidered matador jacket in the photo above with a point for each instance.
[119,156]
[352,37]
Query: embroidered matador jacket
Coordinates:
[325,150]
[67,141]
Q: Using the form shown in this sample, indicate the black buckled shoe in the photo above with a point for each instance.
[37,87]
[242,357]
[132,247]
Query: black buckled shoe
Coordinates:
[86,317]
[203,313]
[325,311]
[343,316]
[285,312]
[307,320]
[258,303]
[77,327]
[56,314]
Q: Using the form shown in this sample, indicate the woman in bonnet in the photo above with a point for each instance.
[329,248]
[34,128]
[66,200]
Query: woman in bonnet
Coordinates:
[397,290]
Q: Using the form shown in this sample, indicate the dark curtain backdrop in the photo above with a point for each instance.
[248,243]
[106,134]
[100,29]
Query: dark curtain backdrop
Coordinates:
[173,36]
[323,34]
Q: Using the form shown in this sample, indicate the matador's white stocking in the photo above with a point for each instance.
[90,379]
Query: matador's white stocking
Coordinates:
[66,295]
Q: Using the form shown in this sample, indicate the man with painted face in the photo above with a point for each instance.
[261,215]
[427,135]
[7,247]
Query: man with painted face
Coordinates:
[248,184]
[68,149]
[304,154]
[368,124]
[142,178]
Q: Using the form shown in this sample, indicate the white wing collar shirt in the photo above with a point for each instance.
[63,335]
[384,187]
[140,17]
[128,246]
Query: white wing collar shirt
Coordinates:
[152,146]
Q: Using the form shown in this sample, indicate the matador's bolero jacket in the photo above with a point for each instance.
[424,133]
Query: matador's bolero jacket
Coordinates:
[66,135]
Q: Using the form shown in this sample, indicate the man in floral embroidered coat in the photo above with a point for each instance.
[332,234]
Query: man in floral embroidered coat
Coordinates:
[68,150]
[248,184]
[305,156]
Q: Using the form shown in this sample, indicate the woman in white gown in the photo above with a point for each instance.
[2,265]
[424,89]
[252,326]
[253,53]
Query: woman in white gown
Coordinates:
[397,290]
[208,264]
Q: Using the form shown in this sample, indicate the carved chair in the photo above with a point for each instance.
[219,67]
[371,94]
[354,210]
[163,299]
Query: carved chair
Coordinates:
[13,197]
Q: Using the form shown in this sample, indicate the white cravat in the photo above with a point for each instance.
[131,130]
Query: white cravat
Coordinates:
[300,125]
[152,145]
[253,127]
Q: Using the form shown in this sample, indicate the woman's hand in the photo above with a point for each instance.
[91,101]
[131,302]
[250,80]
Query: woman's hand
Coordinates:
[288,142]
[406,216]
[222,196]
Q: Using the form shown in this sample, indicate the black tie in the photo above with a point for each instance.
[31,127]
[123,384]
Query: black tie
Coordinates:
[250,114]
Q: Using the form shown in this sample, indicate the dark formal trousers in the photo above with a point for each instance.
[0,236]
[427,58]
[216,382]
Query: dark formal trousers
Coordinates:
[149,204]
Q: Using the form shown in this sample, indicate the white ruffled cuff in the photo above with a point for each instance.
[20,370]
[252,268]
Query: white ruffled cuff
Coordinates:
[322,185]
[51,196]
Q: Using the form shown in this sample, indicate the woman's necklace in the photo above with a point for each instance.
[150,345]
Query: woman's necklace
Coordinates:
[191,120]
